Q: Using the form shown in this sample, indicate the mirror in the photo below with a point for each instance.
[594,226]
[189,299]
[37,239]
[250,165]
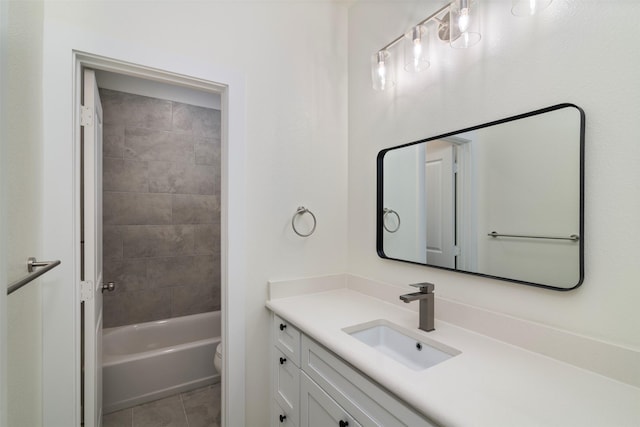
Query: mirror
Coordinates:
[504,199]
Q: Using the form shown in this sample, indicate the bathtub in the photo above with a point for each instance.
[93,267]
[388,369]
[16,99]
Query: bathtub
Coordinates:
[152,360]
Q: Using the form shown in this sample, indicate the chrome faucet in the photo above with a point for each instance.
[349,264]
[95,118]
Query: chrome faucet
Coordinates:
[426,298]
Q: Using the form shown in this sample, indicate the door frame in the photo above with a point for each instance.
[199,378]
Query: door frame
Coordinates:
[232,214]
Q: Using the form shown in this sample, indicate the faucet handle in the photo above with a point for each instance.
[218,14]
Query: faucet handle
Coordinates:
[424,287]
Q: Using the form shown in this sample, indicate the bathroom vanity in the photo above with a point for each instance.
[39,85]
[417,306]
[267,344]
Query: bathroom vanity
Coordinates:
[328,368]
[313,387]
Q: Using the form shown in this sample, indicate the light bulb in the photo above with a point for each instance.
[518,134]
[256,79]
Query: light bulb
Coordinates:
[382,76]
[415,49]
[463,20]
[417,53]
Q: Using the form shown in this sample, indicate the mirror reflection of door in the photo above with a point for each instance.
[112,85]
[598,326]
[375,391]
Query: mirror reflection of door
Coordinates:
[449,203]
[440,190]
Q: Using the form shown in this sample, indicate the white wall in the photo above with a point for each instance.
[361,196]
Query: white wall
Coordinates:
[292,56]
[22,207]
[520,65]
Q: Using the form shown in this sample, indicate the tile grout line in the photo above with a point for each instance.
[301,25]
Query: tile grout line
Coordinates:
[184,410]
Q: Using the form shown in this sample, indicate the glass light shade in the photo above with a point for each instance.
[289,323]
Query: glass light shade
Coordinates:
[528,7]
[464,24]
[415,49]
[382,72]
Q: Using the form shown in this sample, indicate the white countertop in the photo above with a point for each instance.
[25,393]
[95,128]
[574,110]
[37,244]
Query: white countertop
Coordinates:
[491,383]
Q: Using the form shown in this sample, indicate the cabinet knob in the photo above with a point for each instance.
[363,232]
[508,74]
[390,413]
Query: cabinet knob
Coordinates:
[282,360]
[282,418]
[343,423]
[282,326]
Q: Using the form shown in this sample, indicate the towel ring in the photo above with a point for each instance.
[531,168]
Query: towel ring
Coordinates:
[384,217]
[301,211]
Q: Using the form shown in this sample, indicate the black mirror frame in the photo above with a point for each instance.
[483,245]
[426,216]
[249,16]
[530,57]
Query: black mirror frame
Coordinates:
[380,195]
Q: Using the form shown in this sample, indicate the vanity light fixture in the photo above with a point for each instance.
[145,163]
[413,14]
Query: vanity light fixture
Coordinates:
[464,27]
[458,23]
[529,7]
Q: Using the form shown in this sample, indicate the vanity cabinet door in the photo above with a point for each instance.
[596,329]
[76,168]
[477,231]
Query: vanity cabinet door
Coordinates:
[287,385]
[317,409]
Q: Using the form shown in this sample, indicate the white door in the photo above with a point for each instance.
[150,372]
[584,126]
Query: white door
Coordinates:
[440,188]
[91,288]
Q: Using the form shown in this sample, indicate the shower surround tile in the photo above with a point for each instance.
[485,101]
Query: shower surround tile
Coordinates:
[157,240]
[148,144]
[181,178]
[111,242]
[136,208]
[113,107]
[128,274]
[196,120]
[207,151]
[125,308]
[135,110]
[145,112]
[113,140]
[125,175]
[183,302]
[207,238]
[181,271]
[194,209]
[161,213]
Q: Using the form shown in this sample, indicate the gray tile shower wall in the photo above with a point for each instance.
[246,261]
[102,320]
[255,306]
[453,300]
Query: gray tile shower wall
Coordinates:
[161,208]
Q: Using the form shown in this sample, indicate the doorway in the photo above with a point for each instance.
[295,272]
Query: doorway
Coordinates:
[232,319]
[450,203]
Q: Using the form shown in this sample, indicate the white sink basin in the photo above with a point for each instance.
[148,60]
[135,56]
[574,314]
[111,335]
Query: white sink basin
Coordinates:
[402,345]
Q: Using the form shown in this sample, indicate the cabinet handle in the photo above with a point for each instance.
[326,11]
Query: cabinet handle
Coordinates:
[343,423]
[282,360]
[282,418]
[282,326]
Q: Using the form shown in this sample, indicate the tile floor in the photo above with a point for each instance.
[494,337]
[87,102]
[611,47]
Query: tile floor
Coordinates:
[196,408]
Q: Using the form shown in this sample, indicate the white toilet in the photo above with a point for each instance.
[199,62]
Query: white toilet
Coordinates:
[217,359]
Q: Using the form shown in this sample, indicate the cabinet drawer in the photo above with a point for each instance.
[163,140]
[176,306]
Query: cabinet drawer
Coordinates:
[287,385]
[280,417]
[374,407]
[320,410]
[287,338]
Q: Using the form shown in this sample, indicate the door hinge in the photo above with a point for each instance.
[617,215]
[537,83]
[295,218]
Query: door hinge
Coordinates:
[86,116]
[456,251]
[455,167]
[86,290]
